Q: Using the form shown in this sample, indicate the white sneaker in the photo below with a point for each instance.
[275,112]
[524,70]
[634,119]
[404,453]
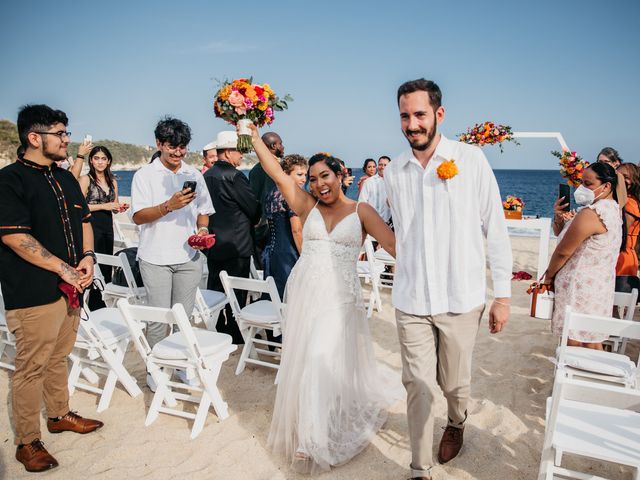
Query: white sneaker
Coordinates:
[151,383]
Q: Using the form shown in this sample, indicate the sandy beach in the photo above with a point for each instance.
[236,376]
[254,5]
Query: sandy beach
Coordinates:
[512,378]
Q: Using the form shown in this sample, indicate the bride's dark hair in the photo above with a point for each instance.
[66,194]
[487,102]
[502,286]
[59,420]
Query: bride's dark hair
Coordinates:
[332,162]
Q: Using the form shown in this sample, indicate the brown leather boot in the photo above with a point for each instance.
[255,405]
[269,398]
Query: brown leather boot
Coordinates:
[35,457]
[72,422]
[450,444]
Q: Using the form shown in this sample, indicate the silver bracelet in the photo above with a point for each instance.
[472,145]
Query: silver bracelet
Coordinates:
[502,303]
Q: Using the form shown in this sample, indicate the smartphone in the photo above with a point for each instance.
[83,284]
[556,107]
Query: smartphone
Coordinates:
[349,171]
[564,191]
[88,139]
[191,185]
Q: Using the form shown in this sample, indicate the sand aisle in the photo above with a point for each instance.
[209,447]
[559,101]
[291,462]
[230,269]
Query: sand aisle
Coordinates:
[503,437]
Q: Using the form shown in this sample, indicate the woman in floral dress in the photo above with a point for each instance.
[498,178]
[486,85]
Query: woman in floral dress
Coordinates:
[582,268]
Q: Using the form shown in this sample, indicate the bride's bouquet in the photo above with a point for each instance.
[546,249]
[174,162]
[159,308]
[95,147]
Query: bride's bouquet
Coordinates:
[241,102]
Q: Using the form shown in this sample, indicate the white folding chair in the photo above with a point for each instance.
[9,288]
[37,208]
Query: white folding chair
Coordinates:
[593,420]
[625,305]
[102,341]
[597,364]
[7,341]
[255,318]
[386,277]
[120,231]
[371,269]
[112,293]
[256,275]
[196,351]
[207,307]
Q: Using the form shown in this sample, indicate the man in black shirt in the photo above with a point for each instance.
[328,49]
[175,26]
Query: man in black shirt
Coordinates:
[237,211]
[46,244]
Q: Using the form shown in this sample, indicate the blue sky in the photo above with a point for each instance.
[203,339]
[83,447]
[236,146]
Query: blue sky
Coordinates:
[116,67]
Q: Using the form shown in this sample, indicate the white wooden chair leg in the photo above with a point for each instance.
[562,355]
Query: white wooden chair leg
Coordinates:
[201,415]
[211,389]
[558,457]
[246,350]
[156,403]
[74,373]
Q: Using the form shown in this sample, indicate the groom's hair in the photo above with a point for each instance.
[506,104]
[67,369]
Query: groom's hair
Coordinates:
[422,85]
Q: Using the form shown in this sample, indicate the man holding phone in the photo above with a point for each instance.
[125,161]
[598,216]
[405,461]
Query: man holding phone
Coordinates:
[170,201]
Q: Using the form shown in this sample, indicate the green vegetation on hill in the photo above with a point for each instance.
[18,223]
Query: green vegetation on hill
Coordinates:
[8,139]
[123,153]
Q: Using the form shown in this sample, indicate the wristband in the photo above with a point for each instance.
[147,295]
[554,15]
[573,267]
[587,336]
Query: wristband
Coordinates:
[502,303]
[80,156]
[203,229]
[92,254]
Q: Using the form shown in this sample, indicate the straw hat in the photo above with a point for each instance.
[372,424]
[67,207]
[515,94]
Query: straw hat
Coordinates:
[209,146]
[227,139]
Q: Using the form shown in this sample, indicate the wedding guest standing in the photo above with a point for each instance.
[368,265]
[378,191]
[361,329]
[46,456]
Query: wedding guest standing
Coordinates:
[582,267]
[610,156]
[445,204]
[100,189]
[46,240]
[368,170]
[374,191]
[209,156]
[285,227]
[237,210]
[169,212]
[627,264]
[261,185]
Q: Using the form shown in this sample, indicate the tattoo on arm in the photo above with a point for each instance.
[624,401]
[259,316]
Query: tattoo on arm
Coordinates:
[32,245]
[67,270]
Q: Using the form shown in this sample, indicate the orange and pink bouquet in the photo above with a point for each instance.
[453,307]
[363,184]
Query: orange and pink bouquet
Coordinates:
[488,133]
[242,101]
[513,203]
[572,166]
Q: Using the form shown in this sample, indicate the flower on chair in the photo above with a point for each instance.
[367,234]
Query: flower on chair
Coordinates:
[447,170]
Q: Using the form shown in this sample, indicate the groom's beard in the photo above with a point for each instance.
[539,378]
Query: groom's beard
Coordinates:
[422,145]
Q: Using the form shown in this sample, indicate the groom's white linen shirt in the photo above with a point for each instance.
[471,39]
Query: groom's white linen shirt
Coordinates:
[164,241]
[375,194]
[440,228]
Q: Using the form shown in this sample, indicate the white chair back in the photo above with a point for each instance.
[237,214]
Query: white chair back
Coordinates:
[597,324]
[268,286]
[120,260]
[136,316]
[626,304]
[120,237]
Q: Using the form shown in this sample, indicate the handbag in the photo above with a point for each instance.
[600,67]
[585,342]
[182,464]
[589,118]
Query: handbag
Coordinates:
[542,299]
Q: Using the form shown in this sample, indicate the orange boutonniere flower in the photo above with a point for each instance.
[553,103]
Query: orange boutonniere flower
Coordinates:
[447,170]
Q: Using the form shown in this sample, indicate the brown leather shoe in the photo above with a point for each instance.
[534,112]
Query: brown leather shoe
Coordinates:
[450,444]
[35,457]
[72,422]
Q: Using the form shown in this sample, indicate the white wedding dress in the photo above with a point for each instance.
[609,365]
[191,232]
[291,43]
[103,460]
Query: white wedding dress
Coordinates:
[331,397]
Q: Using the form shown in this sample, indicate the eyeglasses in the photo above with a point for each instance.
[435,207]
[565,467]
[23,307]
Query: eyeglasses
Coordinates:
[60,135]
[171,148]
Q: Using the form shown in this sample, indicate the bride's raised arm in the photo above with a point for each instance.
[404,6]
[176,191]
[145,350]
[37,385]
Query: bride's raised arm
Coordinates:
[300,201]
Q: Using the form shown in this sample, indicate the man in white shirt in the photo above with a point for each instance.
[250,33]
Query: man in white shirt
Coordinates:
[442,219]
[169,212]
[374,192]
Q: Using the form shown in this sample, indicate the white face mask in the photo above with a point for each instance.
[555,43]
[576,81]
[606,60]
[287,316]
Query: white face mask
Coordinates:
[585,196]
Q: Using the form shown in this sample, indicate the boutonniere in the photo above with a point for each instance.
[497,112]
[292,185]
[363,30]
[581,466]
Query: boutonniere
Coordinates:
[447,169]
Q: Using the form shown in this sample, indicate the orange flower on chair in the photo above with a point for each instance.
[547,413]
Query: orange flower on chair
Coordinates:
[447,169]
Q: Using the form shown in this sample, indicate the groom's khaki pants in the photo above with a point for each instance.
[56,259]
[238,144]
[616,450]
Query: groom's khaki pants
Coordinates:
[436,350]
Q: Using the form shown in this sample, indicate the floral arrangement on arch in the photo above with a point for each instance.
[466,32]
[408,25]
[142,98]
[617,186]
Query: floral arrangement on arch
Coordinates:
[572,166]
[488,133]
[242,99]
[513,203]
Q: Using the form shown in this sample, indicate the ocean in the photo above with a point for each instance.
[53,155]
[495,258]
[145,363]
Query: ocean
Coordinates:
[537,188]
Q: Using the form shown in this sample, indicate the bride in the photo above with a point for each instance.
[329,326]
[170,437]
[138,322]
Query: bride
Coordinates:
[331,397]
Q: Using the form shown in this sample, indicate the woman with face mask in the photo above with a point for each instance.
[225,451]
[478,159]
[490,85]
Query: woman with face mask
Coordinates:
[332,396]
[582,268]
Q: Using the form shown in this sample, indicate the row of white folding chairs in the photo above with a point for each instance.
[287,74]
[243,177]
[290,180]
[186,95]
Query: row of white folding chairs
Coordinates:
[592,415]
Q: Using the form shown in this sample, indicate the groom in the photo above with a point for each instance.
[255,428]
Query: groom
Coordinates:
[441,220]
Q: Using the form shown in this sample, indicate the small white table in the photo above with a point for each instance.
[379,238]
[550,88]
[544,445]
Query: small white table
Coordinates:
[543,226]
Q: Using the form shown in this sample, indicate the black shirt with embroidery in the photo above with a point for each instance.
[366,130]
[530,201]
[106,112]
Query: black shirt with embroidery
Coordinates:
[46,203]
